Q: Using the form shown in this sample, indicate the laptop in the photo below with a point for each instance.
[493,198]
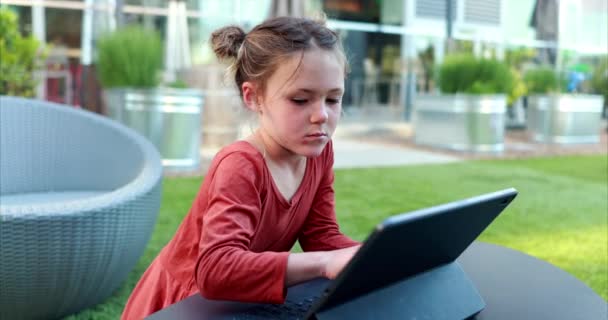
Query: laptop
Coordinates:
[405,269]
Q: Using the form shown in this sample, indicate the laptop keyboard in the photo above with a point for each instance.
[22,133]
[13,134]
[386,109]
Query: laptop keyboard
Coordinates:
[289,310]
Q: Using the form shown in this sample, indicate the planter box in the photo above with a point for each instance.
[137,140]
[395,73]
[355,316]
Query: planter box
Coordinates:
[565,118]
[472,123]
[224,112]
[169,118]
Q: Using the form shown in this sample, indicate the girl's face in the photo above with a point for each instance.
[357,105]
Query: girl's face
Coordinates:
[302,102]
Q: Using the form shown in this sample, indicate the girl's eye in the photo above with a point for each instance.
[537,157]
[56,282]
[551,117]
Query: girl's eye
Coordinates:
[333,101]
[299,101]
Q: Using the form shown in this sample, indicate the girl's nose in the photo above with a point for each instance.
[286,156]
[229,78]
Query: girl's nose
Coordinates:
[319,114]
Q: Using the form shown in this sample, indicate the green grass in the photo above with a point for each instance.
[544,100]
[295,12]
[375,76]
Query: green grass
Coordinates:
[560,215]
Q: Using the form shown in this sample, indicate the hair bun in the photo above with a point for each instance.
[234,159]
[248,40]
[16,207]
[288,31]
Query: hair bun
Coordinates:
[227,41]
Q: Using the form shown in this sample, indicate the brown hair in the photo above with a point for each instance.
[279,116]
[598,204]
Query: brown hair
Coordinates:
[257,55]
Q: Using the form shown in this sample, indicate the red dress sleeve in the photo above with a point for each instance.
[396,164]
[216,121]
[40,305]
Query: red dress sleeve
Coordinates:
[320,231]
[226,269]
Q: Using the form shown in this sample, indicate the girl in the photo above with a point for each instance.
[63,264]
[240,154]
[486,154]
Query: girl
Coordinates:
[262,194]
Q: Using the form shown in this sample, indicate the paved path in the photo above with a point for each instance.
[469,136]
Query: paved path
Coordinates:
[366,145]
[351,153]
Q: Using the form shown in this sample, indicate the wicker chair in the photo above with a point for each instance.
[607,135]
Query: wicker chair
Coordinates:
[79,198]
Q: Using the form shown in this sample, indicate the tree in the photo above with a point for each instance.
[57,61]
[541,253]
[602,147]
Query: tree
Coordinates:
[21,56]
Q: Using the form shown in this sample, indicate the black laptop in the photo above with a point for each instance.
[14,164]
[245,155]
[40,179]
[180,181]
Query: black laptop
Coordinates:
[405,269]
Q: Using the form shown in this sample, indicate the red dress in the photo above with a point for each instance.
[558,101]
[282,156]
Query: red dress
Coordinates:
[234,242]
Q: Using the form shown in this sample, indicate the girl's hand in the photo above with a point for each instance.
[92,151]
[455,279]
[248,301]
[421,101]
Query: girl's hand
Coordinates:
[337,259]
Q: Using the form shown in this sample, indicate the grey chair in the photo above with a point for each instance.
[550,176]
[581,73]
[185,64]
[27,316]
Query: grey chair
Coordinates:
[79,198]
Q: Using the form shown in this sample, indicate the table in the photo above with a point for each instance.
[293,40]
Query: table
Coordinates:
[514,285]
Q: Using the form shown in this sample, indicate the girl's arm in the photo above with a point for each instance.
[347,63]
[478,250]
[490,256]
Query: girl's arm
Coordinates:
[226,268]
[305,266]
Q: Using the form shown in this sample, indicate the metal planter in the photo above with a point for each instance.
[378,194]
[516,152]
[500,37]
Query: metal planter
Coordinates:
[169,118]
[471,123]
[565,118]
[224,112]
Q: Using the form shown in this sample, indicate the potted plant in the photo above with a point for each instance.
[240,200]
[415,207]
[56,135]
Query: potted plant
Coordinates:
[21,58]
[555,117]
[469,114]
[129,63]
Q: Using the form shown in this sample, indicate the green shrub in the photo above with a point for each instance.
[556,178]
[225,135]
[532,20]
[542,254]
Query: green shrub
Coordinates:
[517,57]
[178,84]
[20,56]
[464,73]
[599,80]
[541,80]
[130,57]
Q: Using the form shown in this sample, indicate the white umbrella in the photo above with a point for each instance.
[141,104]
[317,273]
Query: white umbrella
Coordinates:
[293,8]
[98,18]
[177,46]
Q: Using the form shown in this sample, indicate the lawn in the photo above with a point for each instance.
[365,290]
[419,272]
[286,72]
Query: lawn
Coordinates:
[560,215]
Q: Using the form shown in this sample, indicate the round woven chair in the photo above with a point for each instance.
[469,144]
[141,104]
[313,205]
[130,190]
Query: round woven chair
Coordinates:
[79,198]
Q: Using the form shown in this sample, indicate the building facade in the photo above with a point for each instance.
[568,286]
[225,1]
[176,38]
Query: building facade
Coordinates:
[386,41]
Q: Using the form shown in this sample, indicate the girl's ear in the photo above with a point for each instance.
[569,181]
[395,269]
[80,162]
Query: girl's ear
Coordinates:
[250,96]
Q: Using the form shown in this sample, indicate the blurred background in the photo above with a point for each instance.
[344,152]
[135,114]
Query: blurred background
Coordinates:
[433,84]
[396,50]
[381,37]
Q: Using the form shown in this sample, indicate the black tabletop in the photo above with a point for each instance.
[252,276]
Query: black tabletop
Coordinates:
[514,285]
[518,286]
